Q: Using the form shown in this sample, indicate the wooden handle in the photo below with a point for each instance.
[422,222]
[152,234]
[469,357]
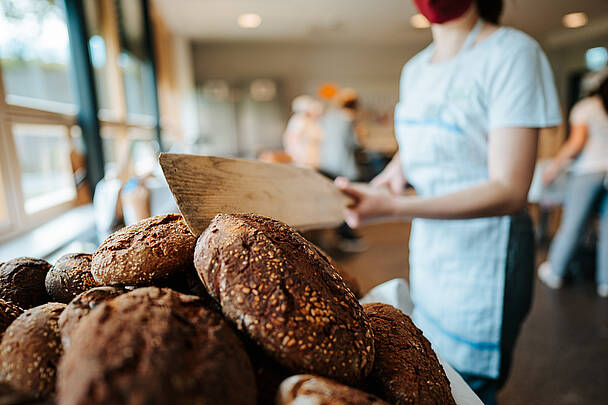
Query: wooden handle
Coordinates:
[204,186]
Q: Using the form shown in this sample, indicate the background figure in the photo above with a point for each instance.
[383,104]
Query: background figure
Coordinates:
[587,188]
[303,135]
[339,146]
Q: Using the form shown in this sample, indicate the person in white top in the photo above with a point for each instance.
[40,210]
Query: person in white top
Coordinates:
[469,112]
[303,135]
[587,188]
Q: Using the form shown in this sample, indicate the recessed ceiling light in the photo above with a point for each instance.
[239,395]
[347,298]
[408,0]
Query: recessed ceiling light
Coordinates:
[249,20]
[419,21]
[575,20]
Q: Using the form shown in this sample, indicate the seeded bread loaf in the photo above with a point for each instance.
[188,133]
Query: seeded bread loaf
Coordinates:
[286,296]
[70,276]
[306,389]
[22,282]
[144,253]
[155,346]
[30,350]
[8,313]
[80,306]
[406,369]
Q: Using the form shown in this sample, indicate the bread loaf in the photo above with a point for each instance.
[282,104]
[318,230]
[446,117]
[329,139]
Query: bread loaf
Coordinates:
[70,276]
[314,390]
[406,369]
[141,254]
[80,306]
[155,346]
[286,296]
[22,282]
[8,313]
[30,350]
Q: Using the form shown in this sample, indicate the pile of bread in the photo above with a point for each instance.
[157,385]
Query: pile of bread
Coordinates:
[248,313]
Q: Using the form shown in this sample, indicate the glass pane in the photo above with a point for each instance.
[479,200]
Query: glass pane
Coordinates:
[3,208]
[34,52]
[46,171]
[97,51]
[143,151]
[140,145]
[136,73]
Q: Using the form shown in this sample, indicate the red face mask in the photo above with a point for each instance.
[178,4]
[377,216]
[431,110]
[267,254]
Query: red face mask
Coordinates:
[441,11]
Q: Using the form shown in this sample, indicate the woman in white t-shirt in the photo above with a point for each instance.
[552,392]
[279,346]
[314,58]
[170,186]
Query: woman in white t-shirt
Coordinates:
[587,188]
[469,112]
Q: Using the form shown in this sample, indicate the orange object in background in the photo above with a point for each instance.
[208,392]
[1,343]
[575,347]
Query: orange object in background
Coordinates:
[274,156]
[327,91]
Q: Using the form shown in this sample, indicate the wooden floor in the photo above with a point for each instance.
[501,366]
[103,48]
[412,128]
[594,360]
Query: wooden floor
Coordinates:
[562,353]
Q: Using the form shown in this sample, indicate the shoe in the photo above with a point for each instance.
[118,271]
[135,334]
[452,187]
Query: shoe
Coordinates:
[548,278]
[602,290]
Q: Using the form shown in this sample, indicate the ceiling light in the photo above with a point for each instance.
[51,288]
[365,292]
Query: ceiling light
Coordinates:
[419,21]
[575,20]
[249,20]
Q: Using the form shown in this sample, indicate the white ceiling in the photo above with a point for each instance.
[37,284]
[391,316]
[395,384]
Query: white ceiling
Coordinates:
[370,21]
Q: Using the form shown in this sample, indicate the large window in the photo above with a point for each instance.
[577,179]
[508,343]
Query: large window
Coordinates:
[41,147]
[34,51]
[37,112]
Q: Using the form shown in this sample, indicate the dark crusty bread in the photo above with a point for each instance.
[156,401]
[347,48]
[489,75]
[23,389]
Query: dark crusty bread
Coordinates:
[22,281]
[80,306]
[309,389]
[8,313]
[155,346]
[11,396]
[30,350]
[406,369]
[70,276]
[277,288]
[141,254]
[350,281]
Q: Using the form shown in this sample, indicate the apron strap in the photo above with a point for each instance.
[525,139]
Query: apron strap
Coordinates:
[472,37]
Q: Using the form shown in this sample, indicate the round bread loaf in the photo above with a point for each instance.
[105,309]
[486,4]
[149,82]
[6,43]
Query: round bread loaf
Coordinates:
[30,350]
[8,313]
[80,306]
[151,250]
[406,369]
[277,288]
[310,389]
[70,276]
[22,281]
[155,346]
[11,396]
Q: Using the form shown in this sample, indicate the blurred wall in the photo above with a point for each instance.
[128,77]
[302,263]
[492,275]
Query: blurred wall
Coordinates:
[373,70]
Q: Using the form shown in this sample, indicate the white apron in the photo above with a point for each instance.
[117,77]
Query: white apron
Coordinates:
[457,267]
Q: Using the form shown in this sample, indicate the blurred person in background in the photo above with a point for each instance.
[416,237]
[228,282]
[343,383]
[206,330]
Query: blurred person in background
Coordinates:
[469,112]
[587,188]
[339,155]
[339,147]
[303,135]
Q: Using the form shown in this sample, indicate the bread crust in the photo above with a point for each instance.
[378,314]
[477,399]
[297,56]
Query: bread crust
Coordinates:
[70,276]
[155,345]
[81,306]
[8,313]
[22,281]
[406,369]
[30,350]
[141,254]
[310,389]
[286,296]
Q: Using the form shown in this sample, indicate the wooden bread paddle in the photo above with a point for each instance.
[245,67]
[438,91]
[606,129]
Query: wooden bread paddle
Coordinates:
[204,186]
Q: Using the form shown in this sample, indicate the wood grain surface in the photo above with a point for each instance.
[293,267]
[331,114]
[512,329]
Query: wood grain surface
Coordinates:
[204,186]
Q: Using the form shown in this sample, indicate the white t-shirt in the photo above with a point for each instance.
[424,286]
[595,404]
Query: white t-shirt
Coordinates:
[594,157]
